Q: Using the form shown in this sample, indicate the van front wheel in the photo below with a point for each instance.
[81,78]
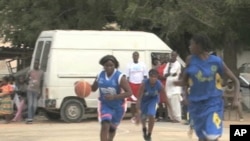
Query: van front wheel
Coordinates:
[72,110]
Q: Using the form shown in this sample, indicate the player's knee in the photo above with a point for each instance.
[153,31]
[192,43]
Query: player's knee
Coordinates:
[212,138]
[105,122]
[112,129]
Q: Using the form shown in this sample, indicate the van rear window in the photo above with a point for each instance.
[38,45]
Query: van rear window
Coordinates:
[39,50]
[45,55]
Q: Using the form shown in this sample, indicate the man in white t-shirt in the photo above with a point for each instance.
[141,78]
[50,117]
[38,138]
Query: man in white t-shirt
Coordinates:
[172,73]
[136,71]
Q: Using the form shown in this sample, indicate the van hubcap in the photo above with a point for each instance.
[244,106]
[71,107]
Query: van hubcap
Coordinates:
[73,111]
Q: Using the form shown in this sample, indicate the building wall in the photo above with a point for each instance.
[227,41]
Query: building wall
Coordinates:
[3,67]
[243,57]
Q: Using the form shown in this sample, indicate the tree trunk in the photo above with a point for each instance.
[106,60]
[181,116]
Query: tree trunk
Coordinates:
[230,56]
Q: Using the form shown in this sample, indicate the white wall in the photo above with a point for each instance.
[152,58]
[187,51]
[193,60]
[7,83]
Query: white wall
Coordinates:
[243,57]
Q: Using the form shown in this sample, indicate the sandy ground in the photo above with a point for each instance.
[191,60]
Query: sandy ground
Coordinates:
[88,130]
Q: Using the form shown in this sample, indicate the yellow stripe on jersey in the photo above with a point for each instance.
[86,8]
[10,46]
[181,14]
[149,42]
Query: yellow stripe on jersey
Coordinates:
[218,81]
[190,82]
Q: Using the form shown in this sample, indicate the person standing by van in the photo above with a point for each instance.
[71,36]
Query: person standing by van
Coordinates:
[22,92]
[112,99]
[35,77]
[6,107]
[172,73]
[162,106]
[136,72]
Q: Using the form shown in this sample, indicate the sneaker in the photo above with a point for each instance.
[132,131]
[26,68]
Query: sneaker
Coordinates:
[190,133]
[28,121]
[144,131]
[133,120]
[148,138]
[241,119]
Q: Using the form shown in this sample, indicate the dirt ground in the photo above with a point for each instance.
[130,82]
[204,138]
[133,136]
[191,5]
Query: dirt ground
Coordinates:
[88,130]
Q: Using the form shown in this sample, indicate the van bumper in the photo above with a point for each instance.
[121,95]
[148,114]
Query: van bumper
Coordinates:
[50,103]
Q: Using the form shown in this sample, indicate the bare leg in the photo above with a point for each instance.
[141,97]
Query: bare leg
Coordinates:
[239,110]
[166,111]
[144,128]
[160,111]
[105,130]
[133,109]
[18,115]
[151,123]
[112,133]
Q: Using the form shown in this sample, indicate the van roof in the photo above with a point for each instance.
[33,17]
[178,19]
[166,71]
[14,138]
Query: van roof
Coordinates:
[95,39]
[50,33]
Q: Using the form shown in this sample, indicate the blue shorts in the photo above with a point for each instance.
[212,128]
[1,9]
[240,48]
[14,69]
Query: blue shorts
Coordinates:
[148,108]
[113,115]
[207,117]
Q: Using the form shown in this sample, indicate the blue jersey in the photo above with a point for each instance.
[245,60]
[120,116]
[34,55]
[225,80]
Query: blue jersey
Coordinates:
[205,77]
[110,86]
[151,92]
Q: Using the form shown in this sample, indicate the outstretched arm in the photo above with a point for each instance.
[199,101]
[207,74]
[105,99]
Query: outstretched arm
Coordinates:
[184,78]
[94,86]
[235,80]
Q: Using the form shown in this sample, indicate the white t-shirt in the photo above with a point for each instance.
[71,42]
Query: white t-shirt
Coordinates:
[136,72]
[171,89]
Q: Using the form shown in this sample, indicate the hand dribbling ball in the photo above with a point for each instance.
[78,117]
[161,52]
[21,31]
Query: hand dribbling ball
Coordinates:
[82,89]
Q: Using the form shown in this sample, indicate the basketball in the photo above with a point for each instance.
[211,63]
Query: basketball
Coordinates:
[82,89]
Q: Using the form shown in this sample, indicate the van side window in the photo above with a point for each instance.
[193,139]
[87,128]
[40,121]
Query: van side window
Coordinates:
[157,57]
[39,50]
[45,55]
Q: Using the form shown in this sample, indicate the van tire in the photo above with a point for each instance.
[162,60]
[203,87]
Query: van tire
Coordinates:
[72,110]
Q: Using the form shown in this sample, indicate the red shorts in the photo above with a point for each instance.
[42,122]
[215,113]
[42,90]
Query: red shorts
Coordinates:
[162,98]
[163,95]
[135,91]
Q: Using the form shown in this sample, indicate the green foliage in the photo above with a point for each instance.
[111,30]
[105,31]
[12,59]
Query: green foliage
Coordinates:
[22,21]
[172,20]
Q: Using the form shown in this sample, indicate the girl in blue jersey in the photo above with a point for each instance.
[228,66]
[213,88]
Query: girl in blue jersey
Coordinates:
[203,74]
[148,99]
[110,81]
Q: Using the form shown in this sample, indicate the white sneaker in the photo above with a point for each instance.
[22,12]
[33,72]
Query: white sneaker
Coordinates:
[133,120]
[190,133]
[241,119]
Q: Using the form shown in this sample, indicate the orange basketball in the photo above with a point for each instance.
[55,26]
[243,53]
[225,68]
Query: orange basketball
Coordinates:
[82,89]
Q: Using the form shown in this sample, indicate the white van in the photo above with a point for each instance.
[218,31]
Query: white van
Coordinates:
[69,56]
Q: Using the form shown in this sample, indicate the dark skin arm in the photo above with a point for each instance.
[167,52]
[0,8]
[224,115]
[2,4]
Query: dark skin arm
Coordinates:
[235,80]
[185,95]
[161,77]
[141,90]
[163,91]
[184,81]
[4,94]
[94,86]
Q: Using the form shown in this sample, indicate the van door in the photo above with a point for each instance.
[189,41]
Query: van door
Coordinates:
[42,54]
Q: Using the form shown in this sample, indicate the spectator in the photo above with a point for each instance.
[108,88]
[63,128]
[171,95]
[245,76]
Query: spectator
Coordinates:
[136,72]
[35,77]
[6,107]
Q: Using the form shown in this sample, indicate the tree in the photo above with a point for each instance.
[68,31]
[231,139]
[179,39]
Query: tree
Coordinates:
[22,21]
